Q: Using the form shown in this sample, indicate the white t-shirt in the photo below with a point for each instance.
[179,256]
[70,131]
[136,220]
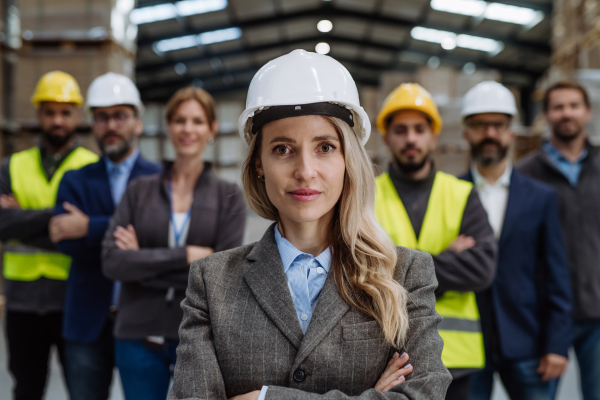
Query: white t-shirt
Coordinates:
[494,197]
[182,224]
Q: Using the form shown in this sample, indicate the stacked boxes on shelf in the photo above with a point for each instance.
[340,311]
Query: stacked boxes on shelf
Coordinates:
[576,35]
[85,38]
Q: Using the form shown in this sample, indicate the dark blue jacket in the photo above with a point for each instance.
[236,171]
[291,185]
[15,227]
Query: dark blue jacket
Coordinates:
[528,307]
[89,293]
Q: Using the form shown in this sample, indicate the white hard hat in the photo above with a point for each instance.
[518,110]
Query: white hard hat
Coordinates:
[114,89]
[488,97]
[302,77]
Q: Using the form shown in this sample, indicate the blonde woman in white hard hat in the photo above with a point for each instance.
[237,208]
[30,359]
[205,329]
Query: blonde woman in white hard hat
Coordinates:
[323,306]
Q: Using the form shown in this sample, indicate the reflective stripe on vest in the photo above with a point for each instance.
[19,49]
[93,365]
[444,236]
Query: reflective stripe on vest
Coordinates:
[32,189]
[460,329]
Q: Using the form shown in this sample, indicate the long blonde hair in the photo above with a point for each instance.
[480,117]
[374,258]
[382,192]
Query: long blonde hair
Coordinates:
[364,258]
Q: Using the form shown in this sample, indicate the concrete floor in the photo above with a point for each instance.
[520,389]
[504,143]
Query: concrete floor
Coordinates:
[255,228]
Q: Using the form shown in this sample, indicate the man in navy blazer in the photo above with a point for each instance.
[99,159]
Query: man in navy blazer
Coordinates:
[526,313]
[85,202]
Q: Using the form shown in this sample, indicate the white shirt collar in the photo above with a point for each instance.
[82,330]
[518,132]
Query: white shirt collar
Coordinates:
[480,182]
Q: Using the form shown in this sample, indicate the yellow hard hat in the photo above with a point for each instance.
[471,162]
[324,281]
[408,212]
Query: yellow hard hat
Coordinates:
[409,96]
[57,86]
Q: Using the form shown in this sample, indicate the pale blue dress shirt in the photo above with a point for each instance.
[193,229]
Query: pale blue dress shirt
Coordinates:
[570,170]
[118,176]
[305,278]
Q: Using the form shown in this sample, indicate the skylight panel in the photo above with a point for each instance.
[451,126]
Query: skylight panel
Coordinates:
[182,8]
[450,40]
[494,11]
[184,42]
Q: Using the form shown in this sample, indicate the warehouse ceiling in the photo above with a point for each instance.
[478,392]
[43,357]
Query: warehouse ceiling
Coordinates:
[220,44]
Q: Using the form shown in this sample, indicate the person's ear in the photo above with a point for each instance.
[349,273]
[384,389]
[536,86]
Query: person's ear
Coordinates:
[139,126]
[258,166]
[385,139]
[214,129]
[434,139]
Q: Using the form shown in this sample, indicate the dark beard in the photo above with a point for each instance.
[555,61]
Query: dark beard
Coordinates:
[558,134]
[487,160]
[409,168]
[115,153]
[57,141]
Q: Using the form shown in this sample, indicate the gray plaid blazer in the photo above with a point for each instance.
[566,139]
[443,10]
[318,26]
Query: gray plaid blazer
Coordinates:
[240,331]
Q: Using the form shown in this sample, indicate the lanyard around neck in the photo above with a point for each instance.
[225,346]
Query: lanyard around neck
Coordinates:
[177,232]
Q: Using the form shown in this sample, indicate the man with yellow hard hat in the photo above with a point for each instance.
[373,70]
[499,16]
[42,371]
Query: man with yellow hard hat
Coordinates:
[34,273]
[432,211]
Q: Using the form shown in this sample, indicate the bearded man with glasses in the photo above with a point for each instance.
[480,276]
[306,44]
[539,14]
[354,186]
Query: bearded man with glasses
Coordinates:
[86,200]
[525,314]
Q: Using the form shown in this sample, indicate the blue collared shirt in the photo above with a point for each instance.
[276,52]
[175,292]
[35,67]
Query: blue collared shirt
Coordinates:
[118,175]
[570,170]
[305,276]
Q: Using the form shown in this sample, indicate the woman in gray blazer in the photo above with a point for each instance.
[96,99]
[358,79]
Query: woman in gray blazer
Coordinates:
[323,306]
[163,223]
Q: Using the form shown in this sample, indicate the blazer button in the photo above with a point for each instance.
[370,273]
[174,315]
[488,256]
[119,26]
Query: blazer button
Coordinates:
[299,375]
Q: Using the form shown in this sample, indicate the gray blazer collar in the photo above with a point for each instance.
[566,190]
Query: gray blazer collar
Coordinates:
[267,281]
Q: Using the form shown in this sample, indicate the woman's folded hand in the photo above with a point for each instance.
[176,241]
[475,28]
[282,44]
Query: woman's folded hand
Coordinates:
[395,373]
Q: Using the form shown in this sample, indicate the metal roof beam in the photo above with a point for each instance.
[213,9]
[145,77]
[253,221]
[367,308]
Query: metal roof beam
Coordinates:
[442,54]
[330,11]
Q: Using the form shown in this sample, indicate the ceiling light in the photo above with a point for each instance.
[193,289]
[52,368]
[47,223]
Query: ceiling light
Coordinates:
[513,14]
[446,38]
[184,42]
[474,8]
[322,48]
[151,14]
[193,7]
[183,8]
[448,43]
[469,68]
[433,62]
[478,43]
[324,26]
[222,35]
[494,11]
[180,68]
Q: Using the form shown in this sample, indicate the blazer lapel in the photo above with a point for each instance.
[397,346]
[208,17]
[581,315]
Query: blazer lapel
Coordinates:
[267,281]
[330,308]
[517,199]
[102,186]
[137,169]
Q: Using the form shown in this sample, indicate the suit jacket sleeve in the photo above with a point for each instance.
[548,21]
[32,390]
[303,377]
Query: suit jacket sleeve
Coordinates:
[557,281]
[197,372]
[136,265]
[87,246]
[471,270]
[28,226]
[232,219]
[430,378]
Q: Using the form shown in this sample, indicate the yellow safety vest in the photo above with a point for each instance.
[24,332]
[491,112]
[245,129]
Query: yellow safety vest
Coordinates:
[460,329]
[32,189]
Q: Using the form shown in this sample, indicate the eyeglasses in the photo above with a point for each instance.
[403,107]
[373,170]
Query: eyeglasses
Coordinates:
[119,117]
[482,126]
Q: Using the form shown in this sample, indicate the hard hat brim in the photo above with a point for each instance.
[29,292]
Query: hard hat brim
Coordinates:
[362,126]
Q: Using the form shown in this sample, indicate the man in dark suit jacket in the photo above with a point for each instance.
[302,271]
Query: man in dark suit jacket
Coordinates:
[525,314]
[85,202]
